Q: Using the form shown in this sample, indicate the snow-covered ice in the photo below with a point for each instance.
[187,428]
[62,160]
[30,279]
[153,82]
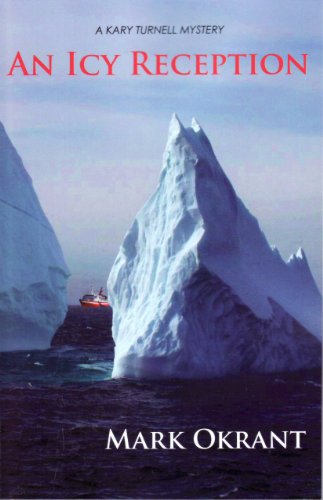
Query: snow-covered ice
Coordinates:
[33,273]
[196,289]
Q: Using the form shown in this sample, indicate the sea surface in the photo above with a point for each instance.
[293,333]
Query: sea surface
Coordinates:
[58,405]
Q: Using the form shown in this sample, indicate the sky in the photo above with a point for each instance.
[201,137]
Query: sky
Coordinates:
[94,146]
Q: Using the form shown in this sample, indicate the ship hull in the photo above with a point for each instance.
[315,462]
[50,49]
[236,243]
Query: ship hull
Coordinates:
[89,303]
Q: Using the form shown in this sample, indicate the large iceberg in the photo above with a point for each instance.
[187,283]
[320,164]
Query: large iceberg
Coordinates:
[197,291]
[33,273]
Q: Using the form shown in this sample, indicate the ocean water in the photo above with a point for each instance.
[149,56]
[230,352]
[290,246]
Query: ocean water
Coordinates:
[58,406]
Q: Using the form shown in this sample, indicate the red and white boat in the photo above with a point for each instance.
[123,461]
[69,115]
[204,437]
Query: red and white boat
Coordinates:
[95,299]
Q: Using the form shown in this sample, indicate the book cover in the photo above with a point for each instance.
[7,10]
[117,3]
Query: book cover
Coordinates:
[160,249]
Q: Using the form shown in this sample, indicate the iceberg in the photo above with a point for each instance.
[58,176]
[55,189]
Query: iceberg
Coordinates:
[196,289]
[33,273]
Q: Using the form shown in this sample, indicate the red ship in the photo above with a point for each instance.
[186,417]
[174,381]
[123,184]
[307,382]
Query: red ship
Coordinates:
[95,299]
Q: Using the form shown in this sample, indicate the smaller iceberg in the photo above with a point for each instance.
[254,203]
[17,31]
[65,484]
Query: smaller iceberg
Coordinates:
[33,273]
[196,289]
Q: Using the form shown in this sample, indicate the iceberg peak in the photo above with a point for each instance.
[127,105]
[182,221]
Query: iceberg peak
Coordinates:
[175,126]
[195,125]
[299,264]
[298,258]
[300,254]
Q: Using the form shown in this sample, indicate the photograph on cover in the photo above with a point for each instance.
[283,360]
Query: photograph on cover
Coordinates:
[160,249]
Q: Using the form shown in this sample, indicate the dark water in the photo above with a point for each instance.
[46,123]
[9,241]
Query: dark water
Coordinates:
[58,406]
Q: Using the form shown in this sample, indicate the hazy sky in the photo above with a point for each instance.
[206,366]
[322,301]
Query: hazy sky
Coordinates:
[93,146]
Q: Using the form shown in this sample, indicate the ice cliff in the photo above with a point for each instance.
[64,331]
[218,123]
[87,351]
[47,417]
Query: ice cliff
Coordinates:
[197,291]
[33,272]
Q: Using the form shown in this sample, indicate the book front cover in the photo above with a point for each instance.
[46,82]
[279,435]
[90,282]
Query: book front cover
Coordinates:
[160,246]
